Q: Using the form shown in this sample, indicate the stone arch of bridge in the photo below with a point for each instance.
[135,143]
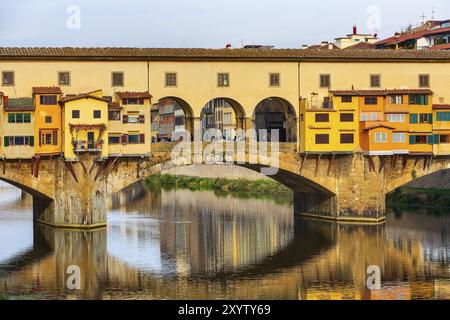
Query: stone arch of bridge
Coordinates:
[276,113]
[28,185]
[215,109]
[185,107]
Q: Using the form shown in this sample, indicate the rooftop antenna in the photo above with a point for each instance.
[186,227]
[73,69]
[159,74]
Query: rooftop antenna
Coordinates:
[423,16]
[432,13]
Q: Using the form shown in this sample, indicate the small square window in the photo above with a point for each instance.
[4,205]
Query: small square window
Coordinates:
[346,99]
[274,80]
[375,81]
[223,80]
[322,138]
[75,114]
[48,119]
[117,79]
[370,100]
[97,114]
[64,78]
[424,81]
[171,79]
[8,78]
[325,81]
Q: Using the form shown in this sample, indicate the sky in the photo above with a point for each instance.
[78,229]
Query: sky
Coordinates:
[203,23]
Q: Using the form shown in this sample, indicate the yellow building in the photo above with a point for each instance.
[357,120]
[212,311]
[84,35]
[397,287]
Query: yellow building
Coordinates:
[85,124]
[421,123]
[129,124]
[47,123]
[441,129]
[17,121]
[329,127]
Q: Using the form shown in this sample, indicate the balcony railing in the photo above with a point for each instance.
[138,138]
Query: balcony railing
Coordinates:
[87,145]
[315,104]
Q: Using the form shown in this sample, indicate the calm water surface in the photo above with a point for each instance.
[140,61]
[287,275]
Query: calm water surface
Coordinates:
[171,244]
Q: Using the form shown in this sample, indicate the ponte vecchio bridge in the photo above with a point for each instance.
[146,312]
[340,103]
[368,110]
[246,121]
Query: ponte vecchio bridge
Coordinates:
[341,150]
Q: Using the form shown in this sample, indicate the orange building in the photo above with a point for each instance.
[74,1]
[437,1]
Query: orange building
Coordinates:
[394,121]
[47,120]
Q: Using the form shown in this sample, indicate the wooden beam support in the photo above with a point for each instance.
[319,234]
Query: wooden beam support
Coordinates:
[371,164]
[382,162]
[330,163]
[303,162]
[71,170]
[36,167]
[404,162]
[316,171]
[415,161]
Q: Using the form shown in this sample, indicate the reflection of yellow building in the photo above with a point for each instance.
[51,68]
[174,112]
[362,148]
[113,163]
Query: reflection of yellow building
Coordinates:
[47,125]
[129,124]
[85,124]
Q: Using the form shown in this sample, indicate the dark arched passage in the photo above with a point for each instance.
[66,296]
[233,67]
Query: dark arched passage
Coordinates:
[275,113]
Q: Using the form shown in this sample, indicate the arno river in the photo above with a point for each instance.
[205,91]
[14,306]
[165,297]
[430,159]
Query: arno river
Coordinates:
[181,244]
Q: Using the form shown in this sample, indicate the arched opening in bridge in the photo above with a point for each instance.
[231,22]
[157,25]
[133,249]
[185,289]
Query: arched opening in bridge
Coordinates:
[171,117]
[221,119]
[275,113]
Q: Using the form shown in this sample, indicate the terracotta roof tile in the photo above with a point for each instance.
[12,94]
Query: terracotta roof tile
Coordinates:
[384,92]
[127,94]
[47,90]
[444,46]
[217,54]
[375,126]
[361,46]
[82,96]
[114,106]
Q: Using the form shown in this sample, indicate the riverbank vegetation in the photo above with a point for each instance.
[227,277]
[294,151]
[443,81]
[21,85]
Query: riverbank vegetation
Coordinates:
[242,188]
[417,197]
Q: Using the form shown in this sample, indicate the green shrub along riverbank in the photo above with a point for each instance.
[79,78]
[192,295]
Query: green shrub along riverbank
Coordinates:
[415,197]
[241,188]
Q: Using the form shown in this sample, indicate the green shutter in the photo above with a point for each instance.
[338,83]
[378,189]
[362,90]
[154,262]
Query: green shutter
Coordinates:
[436,139]
[413,118]
[6,142]
[31,141]
[11,118]
[430,139]
[412,139]
[430,117]
[27,117]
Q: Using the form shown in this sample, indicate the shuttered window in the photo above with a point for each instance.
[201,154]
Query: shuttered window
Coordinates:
[347,138]
[322,117]
[322,138]
[442,116]
[413,118]
[346,117]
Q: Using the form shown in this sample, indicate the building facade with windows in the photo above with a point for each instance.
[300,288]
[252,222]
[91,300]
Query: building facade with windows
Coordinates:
[331,127]
[48,122]
[441,129]
[17,122]
[85,125]
[129,124]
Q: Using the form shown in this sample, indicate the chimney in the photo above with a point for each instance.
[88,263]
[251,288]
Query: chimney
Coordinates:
[228,46]
[324,43]
[330,46]
[304,46]
[355,30]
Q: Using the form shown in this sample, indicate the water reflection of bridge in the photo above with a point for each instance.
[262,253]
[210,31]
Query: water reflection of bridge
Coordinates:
[319,260]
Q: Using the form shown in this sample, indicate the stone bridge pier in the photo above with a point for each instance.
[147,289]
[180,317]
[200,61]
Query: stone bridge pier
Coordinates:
[79,194]
[358,194]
